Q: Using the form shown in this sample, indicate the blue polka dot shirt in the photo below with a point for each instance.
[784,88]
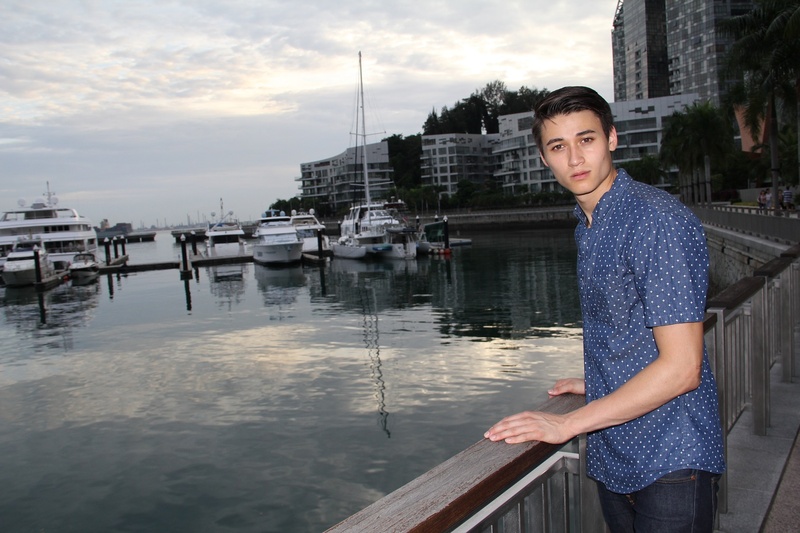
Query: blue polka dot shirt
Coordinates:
[643,263]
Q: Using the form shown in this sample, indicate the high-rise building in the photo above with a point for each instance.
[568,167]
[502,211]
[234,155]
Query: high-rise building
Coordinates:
[697,47]
[639,41]
[672,47]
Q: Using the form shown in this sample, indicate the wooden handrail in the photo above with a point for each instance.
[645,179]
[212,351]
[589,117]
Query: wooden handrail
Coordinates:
[738,293]
[451,492]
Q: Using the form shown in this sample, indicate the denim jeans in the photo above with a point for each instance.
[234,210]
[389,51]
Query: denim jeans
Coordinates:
[684,501]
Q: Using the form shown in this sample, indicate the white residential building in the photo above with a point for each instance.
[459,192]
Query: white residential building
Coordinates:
[338,182]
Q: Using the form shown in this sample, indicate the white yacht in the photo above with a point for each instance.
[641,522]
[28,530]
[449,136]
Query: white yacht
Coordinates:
[307,227]
[277,240]
[226,236]
[19,269]
[61,231]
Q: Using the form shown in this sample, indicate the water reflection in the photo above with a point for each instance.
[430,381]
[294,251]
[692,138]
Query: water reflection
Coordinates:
[279,285]
[228,283]
[48,318]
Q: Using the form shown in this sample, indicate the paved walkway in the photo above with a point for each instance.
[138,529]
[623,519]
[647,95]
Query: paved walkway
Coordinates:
[764,472]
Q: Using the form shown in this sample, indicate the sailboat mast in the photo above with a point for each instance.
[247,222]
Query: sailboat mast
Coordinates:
[363,133]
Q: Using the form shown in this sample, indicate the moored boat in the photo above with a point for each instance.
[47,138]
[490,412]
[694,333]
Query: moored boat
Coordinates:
[20,267]
[225,237]
[277,240]
[61,231]
[84,268]
[312,233]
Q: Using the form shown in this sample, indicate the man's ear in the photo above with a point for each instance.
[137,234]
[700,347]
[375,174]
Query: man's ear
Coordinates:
[612,139]
[541,155]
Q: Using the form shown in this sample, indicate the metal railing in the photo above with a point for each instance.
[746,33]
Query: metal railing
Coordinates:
[538,487]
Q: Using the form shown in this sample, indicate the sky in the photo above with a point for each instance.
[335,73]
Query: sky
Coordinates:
[156,112]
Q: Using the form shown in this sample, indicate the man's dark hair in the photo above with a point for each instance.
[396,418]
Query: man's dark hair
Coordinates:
[571,100]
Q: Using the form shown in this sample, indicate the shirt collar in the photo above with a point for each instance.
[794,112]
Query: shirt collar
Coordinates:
[607,201]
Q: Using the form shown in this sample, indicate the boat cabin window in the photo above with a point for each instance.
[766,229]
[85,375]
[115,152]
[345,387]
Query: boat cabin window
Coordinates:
[41,213]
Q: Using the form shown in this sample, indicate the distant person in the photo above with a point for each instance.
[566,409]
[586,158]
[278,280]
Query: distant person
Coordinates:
[788,198]
[651,414]
[769,199]
[762,199]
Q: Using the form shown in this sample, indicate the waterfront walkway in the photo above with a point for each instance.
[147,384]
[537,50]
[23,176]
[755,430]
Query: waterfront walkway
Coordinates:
[764,472]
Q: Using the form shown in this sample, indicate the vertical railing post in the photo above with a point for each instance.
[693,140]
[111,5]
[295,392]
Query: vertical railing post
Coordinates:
[760,361]
[589,508]
[720,367]
[786,333]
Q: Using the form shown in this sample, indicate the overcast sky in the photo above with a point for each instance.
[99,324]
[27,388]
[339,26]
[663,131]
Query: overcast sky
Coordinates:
[146,111]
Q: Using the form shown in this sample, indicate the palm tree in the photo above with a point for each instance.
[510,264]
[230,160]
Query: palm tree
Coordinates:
[765,52]
[692,141]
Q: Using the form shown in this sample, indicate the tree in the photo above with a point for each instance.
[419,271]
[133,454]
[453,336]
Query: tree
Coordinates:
[647,170]
[765,53]
[404,157]
[697,139]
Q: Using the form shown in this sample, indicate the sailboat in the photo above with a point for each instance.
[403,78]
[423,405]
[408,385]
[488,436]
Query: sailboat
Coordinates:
[365,228]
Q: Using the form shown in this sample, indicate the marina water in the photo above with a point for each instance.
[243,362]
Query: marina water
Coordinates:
[251,399]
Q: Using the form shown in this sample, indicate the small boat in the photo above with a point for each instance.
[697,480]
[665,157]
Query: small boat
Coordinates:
[84,268]
[278,241]
[226,236]
[403,240]
[19,269]
[433,237]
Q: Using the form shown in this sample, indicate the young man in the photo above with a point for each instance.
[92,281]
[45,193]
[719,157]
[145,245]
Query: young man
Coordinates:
[651,414]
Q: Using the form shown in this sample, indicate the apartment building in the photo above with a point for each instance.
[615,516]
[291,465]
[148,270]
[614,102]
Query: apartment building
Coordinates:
[452,157]
[338,182]
[640,125]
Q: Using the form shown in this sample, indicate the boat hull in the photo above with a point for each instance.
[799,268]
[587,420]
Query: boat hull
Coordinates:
[277,254]
[348,251]
[23,273]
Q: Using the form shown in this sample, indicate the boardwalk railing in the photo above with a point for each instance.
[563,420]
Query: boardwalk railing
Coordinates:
[493,487]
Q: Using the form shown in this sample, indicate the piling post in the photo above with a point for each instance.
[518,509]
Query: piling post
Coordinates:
[107,245]
[446,236]
[122,241]
[37,264]
[194,243]
[116,247]
[319,243]
[185,272]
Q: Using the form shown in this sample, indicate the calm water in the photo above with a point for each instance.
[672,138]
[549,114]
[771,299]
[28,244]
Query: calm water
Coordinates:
[251,399]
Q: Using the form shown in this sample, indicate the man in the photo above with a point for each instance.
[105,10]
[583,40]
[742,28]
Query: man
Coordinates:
[651,414]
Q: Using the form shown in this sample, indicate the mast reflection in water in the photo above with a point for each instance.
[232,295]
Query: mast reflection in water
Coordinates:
[264,399]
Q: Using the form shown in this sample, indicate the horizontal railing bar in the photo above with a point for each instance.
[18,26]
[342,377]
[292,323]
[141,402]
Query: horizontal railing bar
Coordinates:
[774,268]
[737,293]
[538,477]
[452,491]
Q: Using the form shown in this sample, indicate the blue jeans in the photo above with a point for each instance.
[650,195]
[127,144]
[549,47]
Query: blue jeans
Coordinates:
[684,501]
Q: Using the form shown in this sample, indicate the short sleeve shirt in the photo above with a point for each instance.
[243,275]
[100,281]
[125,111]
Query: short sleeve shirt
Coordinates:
[644,263]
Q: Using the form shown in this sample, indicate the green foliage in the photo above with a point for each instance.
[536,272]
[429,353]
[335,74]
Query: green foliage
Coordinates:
[647,170]
[405,157]
[702,130]
[480,112]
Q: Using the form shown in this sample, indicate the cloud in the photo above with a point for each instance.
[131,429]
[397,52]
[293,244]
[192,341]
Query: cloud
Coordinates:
[130,102]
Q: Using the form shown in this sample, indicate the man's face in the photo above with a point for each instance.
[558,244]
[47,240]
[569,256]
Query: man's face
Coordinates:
[579,154]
